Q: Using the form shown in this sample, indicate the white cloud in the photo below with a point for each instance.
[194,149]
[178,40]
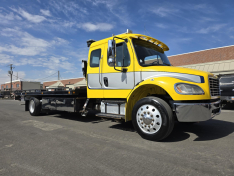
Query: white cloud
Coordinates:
[29,46]
[69,23]
[6,18]
[29,17]
[45,12]
[9,32]
[59,41]
[160,25]
[5,59]
[171,10]
[209,29]
[4,77]
[202,8]
[68,7]
[52,62]
[96,27]
[206,19]
[122,13]
[180,40]
[163,12]
[26,51]
[21,74]
[26,44]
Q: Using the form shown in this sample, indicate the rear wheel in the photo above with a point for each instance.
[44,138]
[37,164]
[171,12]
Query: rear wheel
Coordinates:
[34,106]
[152,118]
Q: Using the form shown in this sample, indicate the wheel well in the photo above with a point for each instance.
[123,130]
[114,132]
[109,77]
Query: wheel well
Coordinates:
[145,91]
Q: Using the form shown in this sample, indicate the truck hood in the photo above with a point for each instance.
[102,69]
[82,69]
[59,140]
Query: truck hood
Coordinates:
[185,74]
[177,70]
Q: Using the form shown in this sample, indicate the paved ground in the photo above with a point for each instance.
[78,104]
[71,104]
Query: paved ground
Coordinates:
[64,144]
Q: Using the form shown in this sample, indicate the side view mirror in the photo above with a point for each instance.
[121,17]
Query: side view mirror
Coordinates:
[111,49]
[111,61]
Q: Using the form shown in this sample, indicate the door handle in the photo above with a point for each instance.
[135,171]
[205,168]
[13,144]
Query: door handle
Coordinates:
[106,81]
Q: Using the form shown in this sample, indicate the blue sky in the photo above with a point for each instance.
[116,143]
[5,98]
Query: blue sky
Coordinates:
[41,37]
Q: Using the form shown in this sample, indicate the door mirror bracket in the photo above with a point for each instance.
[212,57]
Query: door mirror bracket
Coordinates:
[124,70]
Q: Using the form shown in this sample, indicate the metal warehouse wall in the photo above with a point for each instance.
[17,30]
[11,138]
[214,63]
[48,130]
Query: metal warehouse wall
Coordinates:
[216,60]
[30,85]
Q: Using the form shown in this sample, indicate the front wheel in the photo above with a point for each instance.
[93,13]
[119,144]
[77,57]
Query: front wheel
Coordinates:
[34,106]
[152,118]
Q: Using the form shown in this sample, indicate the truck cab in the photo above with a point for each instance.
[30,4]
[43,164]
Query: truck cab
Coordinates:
[132,78]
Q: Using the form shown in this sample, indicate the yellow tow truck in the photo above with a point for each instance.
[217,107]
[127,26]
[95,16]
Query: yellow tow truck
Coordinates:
[129,77]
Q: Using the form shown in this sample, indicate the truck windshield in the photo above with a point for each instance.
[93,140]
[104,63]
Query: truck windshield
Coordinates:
[149,54]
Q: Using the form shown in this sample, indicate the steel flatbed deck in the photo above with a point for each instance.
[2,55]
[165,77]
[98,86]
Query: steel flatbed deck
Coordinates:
[57,93]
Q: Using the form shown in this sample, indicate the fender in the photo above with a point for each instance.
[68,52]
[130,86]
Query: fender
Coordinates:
[161,86]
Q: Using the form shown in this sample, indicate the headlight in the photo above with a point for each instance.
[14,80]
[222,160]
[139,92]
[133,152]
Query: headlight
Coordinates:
[188,89]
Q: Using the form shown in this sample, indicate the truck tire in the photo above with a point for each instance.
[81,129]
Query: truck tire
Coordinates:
[34,106]
[152,118]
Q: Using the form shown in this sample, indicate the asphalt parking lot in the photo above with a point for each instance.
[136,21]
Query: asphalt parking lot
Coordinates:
[65,144]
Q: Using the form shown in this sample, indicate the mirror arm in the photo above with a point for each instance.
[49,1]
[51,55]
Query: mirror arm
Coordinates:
[126,40]
[115,68]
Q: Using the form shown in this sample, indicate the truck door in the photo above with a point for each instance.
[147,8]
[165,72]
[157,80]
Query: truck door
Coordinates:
[94,75]
[117,84]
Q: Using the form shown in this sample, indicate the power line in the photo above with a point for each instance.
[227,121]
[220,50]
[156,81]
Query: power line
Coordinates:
[37,79]
[48,76]
[60,76]
[32,82]
[146,31]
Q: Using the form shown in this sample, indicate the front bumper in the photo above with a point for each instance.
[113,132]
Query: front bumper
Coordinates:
[195,112]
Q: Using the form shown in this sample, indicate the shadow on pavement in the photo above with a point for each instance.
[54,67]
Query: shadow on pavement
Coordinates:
[229,106]
[125,126]
[205,131]
[91,118]
[209,130]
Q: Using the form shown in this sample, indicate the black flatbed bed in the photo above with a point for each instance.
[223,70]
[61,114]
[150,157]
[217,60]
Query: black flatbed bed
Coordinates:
[57,93]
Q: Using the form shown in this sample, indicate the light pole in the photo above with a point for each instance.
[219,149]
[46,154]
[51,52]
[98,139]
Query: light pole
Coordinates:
[11,73]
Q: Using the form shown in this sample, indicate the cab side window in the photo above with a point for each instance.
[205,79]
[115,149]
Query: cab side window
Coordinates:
[95,57]
[122,53]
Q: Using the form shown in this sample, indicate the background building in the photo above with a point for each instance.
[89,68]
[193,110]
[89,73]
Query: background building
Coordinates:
[70,83]
[219,61]
[20,85]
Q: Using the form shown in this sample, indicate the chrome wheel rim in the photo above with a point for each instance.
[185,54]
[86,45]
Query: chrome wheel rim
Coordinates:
[31,106]
[149,119]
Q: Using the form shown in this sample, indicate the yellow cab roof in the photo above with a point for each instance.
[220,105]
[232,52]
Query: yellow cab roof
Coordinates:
[139,36]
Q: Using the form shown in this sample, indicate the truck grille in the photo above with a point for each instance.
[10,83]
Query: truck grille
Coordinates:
[214,87]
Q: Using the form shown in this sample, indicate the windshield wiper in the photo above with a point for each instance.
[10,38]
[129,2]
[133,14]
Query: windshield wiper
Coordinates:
[155,62]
